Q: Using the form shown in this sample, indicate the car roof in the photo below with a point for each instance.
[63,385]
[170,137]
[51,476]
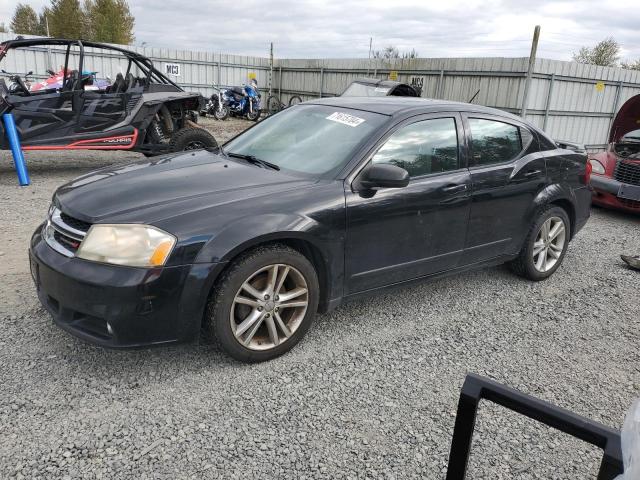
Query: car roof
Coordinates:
[405,105]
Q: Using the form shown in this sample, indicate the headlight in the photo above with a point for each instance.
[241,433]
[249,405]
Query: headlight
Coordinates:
[597,166]
[132,245]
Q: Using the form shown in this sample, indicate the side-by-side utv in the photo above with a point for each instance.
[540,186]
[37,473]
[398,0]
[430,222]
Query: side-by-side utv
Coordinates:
[110,99]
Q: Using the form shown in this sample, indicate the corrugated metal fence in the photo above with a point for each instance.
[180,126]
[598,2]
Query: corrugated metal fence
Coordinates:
[570,101]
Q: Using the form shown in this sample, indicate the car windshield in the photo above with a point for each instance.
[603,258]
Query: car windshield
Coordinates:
[310,139]
[365,90]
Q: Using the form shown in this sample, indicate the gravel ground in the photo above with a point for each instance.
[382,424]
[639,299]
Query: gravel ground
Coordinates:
[371,392]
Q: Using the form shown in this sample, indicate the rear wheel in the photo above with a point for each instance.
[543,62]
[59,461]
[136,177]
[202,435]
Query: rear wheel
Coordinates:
[264,303]
[191,138]
[545,245]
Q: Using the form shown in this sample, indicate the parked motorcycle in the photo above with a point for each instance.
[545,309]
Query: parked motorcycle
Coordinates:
[18,84]
[242,101]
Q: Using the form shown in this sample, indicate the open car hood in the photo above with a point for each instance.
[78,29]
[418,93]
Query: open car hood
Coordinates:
[627,119]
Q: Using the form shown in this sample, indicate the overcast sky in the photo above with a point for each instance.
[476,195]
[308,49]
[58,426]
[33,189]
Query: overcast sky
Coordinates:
[338,28]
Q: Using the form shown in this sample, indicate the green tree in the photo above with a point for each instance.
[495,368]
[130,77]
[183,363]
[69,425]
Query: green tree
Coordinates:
[67,19]
[606,54]
[3,29]
[42,20]
[25,20]
[110,21]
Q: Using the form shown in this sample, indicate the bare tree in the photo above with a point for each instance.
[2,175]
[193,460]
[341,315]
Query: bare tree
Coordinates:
[635,65]
[606,54]
[391,52]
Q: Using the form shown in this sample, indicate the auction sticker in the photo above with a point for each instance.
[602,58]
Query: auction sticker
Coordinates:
[345,118]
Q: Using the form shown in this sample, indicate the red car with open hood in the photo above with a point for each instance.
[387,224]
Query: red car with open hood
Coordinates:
[616,172]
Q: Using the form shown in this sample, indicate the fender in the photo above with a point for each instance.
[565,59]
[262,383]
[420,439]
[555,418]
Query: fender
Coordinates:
[248,232]
[555,193]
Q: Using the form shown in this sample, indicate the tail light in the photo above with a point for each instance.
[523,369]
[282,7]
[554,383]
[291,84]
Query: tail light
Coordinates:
[587,172]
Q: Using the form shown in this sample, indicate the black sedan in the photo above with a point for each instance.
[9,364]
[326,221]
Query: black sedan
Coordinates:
[322,203]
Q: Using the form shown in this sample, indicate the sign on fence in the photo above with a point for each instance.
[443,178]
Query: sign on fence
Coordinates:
[172,69]
[417,83]
[393,75]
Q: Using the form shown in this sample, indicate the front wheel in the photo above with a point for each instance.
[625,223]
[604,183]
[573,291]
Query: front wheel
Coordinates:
[191,138]
[264,304]
[253,115]
[221,112]
[545,245]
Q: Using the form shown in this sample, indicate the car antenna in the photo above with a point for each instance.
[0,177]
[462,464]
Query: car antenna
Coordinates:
[474,97]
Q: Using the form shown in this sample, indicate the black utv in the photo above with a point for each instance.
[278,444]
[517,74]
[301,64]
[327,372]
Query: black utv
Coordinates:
[95,96]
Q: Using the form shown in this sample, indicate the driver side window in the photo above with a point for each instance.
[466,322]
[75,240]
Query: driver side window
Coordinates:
[422,148]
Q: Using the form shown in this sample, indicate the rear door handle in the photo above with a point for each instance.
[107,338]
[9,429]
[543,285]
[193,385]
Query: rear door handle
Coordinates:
[455,188]
[532,173]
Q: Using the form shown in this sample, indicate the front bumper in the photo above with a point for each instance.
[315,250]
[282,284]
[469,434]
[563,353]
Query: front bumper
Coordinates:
[605,194]
[121,307]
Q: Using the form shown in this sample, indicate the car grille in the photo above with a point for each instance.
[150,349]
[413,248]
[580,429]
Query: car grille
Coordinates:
[629,203]
[627,172]
[64,233]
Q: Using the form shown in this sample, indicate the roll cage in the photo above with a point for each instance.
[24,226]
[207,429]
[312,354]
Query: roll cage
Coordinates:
[144,64]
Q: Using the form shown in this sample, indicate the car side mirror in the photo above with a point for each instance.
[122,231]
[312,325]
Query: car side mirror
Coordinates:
[383,175]
[30,72]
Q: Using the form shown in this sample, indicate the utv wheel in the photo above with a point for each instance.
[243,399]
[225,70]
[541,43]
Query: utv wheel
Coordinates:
[264,304]
[545,245]
[191,138]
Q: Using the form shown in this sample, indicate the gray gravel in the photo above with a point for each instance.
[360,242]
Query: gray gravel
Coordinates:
[371,392]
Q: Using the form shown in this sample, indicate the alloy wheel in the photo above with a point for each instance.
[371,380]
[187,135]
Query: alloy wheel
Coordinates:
[549,244]
[269,307]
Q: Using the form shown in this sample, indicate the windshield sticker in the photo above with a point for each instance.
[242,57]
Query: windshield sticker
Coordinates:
[345,118]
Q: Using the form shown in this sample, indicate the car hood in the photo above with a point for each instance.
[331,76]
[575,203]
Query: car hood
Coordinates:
[163,187]
[627,119]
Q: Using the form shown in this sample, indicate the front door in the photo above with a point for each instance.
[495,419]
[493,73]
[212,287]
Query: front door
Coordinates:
[397,234]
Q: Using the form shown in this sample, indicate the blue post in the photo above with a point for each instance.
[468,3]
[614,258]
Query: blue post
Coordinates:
[14,143]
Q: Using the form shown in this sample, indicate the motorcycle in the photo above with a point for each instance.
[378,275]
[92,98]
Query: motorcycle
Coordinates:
[18,84]
[242,101]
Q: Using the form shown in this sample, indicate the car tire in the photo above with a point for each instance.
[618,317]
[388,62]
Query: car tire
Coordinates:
[191,138]
[542,255]
[227,313]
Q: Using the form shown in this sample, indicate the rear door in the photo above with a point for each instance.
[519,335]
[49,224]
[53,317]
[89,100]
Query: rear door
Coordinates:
[507,171]
[397,234]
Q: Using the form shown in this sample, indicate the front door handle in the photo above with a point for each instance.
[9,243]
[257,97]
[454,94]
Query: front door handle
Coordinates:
[532,173]
[455,188]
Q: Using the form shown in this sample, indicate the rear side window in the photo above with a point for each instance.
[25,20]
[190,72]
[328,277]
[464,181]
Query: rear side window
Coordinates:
[494,142]
[429,146]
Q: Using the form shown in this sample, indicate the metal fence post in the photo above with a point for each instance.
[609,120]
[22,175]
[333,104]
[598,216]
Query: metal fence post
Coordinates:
[440,85]
[548,105]
[218,82]
[279,82]
[532,61]
[321,79]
